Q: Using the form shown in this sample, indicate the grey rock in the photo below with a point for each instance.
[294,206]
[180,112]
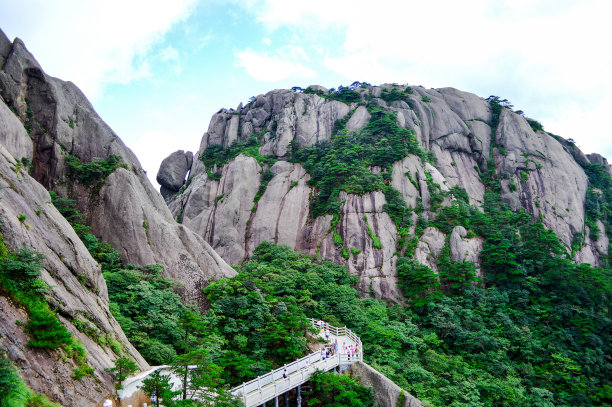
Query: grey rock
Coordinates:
[595,158]
[174,169]
[467,105]
[465,249]
[282,211]
[219,210]
[5,47]
[386,393]
[556,185]
[459,169]
[374,267]
[318,87]
[359,119]
[13,135]
[480,141]
[429,247]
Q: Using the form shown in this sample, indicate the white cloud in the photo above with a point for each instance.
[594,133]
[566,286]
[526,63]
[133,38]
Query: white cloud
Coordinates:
[169,54]
[543,55]
[100,42]
[287,62]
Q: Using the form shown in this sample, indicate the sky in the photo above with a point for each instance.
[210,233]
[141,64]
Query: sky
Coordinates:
[156,71]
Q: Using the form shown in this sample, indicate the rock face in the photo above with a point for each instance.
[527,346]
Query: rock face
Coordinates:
[538,173]
[77,290]
[125,210]
[386,393]
[172,172]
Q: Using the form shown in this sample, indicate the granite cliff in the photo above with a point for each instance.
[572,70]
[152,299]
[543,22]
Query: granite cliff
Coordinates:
[266,195]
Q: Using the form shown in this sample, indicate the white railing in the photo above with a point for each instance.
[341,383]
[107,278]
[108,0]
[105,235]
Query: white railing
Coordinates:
[266,387]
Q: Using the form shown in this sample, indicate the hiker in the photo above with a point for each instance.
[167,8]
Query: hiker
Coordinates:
[323,354]
[285,375]
[327,333]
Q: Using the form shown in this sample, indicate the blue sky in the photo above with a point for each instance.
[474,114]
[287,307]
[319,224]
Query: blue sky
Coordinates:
[156,71]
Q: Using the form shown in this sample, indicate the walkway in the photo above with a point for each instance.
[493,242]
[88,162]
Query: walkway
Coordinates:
[272,385]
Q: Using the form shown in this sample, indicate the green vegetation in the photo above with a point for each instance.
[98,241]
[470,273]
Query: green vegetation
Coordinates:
[266,177]
[535,125]
[426,99]
[330,389]
[123,368]
[157,385]
[395,94]
[342,94]
[93,173]
[466,344]
[144,303]
[342,163]
[217,155]
[20,279]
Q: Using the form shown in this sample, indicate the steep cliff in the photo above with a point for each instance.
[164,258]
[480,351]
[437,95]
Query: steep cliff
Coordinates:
[62,125]
[77,291]
[260,190]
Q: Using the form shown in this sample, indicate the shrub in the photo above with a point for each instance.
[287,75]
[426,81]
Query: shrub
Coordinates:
[82,371]
[94,172]
[535,125]
[415,279]
[45,329]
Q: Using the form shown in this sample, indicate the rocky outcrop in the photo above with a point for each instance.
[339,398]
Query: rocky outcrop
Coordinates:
[539,173]
[77,290]
[464,248]
[125,210]
[386,393]
[547,181]
[429,247]
[172,172]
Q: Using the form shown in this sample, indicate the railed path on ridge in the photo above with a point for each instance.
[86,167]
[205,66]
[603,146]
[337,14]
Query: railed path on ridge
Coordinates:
[271,385]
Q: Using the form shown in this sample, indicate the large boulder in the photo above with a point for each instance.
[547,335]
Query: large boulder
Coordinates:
[173,170]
